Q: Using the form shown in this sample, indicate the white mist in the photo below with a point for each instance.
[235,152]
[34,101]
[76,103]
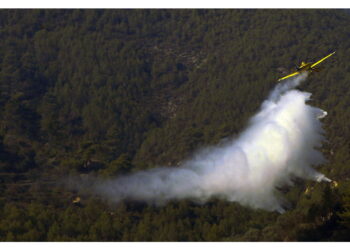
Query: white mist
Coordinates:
[279,143]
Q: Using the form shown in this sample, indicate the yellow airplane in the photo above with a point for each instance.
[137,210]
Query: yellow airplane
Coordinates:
[310,67]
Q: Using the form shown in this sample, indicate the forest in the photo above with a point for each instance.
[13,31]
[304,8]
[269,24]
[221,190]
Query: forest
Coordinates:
[109,92]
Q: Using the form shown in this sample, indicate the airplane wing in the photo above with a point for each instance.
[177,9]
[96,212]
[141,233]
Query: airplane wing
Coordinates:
[324,58]
[293,74]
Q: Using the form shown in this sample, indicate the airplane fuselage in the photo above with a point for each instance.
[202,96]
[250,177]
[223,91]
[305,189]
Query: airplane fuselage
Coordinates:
[305,67]
[309,67]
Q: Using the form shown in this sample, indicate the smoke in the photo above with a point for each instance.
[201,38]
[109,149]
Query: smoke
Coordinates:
[279,144]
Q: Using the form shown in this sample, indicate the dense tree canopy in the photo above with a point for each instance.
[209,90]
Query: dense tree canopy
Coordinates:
[108,92]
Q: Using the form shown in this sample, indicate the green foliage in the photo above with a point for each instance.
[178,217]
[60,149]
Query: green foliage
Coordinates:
[108,92]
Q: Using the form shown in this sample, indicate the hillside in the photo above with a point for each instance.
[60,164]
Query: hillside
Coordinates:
[109,92]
